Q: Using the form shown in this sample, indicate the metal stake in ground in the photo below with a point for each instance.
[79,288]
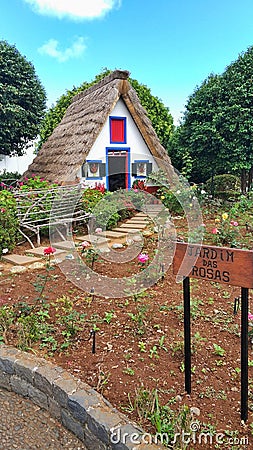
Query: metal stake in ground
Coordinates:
[187,334]
[93,335]
[244,353]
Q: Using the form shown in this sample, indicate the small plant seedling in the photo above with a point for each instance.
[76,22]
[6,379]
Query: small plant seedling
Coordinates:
[161,343]
[153,352]
[142,346]
[108,317]
[219,351]
[220,362]
[129,371]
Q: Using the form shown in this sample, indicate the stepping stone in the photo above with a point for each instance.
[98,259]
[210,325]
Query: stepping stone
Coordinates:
[141,214]
[39,251]
[20,260]
[65,245]
[35,266]
[140,221]
[126,230]
[137,226]
[114,234]
[18,269]
[93,239]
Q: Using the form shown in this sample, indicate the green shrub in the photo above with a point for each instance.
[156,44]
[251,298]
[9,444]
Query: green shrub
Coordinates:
[106,214]
[8,221]
[224,186]
[35,183]
[90,198]
[9,178]
[169,200]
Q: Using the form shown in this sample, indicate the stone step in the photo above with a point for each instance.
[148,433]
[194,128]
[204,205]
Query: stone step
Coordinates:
[137,226]
[113,234]
[126,230]
[93,239]
[65,245]
[140,221]
[141,214]
[39,251]
[20,260]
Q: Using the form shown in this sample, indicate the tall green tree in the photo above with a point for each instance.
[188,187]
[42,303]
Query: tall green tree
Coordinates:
[22,101]
[217,127]
[200,134]
[158,113]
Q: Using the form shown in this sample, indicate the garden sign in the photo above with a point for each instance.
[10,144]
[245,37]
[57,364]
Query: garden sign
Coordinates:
[223,265]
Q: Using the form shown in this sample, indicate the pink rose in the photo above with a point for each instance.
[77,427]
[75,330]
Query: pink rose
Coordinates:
[235,224]
[85,244]
[143,258]
[215,231]
[250,316]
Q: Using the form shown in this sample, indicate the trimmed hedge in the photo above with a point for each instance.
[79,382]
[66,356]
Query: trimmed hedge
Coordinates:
[224,186]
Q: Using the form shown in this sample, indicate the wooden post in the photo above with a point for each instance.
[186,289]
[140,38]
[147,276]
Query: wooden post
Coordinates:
[187,334]
[244,353]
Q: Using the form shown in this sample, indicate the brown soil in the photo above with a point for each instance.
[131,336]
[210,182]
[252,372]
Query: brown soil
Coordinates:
[130,354]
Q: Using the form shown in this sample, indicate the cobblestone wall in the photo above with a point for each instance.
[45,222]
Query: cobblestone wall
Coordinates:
[75,404]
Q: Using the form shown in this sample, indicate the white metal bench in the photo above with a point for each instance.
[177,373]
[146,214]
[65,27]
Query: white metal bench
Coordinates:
[57,207]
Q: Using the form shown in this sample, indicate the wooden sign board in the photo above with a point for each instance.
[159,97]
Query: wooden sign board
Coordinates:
[221,264]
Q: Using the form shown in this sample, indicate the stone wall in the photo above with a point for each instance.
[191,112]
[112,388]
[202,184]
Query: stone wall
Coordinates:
[75,404]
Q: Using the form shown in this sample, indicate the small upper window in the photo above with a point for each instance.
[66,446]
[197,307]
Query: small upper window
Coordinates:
[118,130]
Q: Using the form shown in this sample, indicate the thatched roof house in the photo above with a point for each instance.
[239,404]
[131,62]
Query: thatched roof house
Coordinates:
[77,139]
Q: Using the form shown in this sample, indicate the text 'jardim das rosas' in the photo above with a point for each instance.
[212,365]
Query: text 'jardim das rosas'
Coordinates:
[220,264]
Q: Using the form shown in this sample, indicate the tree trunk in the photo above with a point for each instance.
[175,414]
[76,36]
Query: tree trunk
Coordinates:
[243,181]
[250,178]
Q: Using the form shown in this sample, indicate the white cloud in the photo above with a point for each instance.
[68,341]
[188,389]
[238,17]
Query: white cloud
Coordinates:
[75,9]
[51,48]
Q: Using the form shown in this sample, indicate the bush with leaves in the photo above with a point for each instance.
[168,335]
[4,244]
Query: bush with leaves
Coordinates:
[106,213]
[224,186]
[35,183]
[90,198]
[22,101]
[8,222]
[8,179]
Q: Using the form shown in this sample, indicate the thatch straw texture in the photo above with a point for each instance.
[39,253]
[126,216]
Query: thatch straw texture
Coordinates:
[61,157]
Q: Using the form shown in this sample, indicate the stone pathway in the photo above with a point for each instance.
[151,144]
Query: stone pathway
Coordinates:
[25,426]
[120,234]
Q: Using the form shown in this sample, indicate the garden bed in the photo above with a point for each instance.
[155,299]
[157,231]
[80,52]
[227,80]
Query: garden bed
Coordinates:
[139,341]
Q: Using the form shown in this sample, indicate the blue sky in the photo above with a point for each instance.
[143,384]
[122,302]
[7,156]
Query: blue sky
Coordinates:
[169,45]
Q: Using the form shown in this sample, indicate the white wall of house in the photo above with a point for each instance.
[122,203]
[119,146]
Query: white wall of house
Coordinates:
[134,142]
[17,163]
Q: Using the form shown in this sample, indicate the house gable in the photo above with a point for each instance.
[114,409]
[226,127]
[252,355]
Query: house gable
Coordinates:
[132,157]
[60,159]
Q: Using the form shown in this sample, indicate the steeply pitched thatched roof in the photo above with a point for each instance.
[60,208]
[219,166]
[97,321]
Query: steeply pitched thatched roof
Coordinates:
[66,149]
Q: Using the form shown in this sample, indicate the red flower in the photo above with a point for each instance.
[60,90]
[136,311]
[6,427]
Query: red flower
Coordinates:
[215,231]
[49,250]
